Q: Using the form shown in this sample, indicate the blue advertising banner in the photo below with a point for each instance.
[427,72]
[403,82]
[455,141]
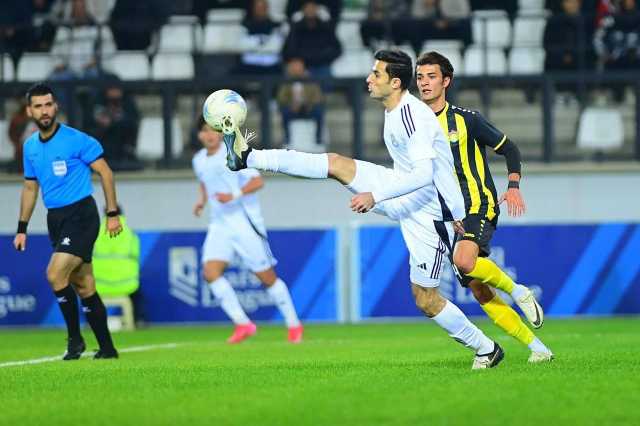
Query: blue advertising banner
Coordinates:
[573,269]
[171,280]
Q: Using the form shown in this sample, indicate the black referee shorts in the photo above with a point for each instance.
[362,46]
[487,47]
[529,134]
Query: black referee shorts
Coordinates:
[74,228]
[480,230]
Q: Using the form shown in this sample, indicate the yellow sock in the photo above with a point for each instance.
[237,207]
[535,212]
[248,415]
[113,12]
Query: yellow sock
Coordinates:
[508,320]
[489,273]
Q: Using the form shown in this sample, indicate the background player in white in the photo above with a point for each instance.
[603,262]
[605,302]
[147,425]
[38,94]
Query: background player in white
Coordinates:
[236,227]
[422,162]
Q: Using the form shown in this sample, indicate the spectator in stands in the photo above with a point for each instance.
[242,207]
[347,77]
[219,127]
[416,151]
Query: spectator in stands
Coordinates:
[378,26]
[263,42]
[568,39]
[314,41]
[436,19]
[62,72]
[134,22]
[115,124]
[15,27]
[328,10]
[300,100]
[72,13]
[618,41]
[43,29]
[20,128]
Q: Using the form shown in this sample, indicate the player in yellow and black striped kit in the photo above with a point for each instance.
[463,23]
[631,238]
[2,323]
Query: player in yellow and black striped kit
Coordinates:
[469,134]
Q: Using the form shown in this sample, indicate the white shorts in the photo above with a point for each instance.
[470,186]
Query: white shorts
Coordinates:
[423,233]
[223,242]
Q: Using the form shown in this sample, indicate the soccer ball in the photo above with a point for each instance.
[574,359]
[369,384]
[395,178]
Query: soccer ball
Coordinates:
[224,110]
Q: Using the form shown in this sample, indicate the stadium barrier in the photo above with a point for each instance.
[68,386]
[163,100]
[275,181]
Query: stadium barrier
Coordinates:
[574,269]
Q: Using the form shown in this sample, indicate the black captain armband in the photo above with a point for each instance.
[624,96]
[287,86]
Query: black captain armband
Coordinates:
[22,227]
[512,155]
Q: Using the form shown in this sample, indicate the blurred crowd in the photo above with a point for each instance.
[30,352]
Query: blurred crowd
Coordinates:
[299,43]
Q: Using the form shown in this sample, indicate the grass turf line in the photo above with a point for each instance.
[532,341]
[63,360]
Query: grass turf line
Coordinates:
[368,374]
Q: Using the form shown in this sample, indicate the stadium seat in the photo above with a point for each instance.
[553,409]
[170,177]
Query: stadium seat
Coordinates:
[150,143]
[491,28]
[528,30]
[7,72]
[592,134]
[178,38]
[225,15]
[452,49]
[352,63]
[354,15]
[530,5]
[183,19]
[302,134]
[476,62]
[348,33]
[223,38]
[123,321]
[6,147]
[172,66]
[526,60]
[129,65]
[35,66]
[107,43]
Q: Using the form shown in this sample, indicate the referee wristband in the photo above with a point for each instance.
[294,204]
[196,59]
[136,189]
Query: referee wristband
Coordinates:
[22,227]
[513,184]
[113,213]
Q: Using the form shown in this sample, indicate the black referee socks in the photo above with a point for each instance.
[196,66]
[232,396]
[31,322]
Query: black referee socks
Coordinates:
[96,314]
[68,303]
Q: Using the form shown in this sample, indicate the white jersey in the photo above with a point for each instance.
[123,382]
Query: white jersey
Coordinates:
[413,134]
[212,171]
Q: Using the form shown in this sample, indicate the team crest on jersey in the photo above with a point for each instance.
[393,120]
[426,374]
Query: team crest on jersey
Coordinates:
[453,136]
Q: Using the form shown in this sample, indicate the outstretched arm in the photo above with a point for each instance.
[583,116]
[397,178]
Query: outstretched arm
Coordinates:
[253,185]
[100,166]
[28,199]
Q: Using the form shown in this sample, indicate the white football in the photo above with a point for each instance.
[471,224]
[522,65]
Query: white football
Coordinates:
[223,104]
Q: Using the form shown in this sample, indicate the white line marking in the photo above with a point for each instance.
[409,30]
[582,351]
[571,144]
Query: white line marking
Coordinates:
[86,354]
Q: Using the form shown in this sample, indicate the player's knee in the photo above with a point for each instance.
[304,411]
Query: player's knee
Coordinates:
[429,302]
[56,278]
[482,292]
[341,168]
[464,262]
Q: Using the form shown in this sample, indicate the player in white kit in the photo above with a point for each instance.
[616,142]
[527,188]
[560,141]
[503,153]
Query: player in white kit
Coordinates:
[236,227]
[422,166]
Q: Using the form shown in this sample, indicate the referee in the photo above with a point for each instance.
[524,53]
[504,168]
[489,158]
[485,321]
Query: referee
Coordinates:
[469,135]
[59,159]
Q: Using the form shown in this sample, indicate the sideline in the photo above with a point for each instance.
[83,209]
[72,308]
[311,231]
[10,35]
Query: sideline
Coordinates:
[90,353]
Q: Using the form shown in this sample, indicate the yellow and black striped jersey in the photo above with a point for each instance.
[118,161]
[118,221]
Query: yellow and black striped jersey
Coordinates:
[469,133]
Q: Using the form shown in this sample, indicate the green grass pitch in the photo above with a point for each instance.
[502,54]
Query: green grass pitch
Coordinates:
[368,374]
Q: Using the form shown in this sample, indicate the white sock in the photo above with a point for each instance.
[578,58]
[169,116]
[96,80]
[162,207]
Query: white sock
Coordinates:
[229,301]
[538,346]
[280,294]
[290,162]
[462,330]
[518,291]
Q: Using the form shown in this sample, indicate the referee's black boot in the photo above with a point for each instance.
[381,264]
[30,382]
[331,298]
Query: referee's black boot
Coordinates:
[106,354]
[75,347]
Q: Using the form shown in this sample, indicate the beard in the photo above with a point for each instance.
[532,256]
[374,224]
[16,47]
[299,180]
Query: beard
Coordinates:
[46,126]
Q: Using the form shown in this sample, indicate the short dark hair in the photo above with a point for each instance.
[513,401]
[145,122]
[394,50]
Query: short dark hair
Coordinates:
[399,65]
[435,58]
[39,89]
[201,122]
